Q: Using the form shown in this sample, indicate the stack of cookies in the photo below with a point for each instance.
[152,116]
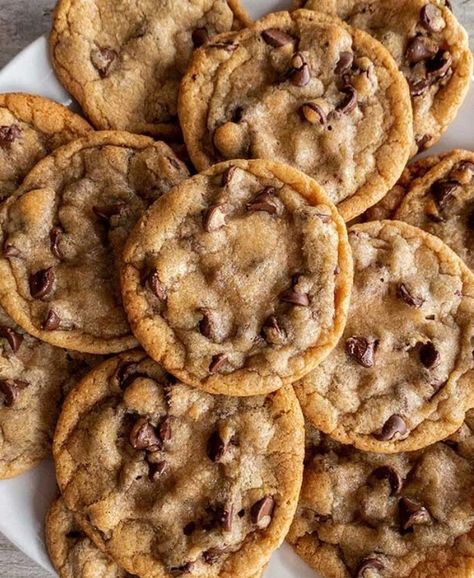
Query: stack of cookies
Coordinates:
[240,243]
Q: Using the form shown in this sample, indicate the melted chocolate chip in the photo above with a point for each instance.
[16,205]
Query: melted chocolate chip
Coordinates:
[155,285]
[411,513]
[10,388]
[227,175]
[41,283]
[362,349]
[368,567]
[55,237]
[265,201]
[300,74]
[420,49]
[102,59]
[125,373]
[9,134]
[419,87]
[277,38]
[262,512]
[349,102]
[217,362]
[52,321]
[215,218]
[429,355]
[443,190]
[143,436]
[216,447]
[200,36]
[344,64]
[165,430]
[439,66]
[157,471]
[395,426]
[205,325]
[10,250]
[180,570]
[431,18]
[14,339]
[212,555]
[404,294]
[313,113]
[393,477]
[272,331]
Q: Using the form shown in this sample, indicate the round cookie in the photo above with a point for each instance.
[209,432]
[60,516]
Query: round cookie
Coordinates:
[34,378]
[63,231]
[172,481]
[430,47]
[31,127]
[442,203]
[123,61]
[307,90]
[407,515]
[239,279]
[402,375]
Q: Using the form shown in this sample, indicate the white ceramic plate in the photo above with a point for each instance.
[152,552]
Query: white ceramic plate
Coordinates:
[24,500]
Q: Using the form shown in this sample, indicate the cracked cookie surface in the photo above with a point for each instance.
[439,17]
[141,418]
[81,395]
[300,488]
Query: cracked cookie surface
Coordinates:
[407,515]
[238,280]
[64,230]
[31,127]
[402,375]
[307,90]
[172,481]
[34,379]
[442,203]
[428,44]
[123,60]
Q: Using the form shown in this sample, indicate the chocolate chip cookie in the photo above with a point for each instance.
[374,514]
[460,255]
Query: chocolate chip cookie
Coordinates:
[172,481]
[430,47]
[368,515]
[64,229]
[307,90]
[402,375]
[123,60]
[31,127]
[239,279]
[34,378]
[442,203]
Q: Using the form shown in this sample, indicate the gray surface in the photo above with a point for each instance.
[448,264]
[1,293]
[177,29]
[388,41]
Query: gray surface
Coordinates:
[21,21]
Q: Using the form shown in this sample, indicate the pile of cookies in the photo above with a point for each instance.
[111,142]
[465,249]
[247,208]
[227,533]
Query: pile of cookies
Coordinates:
[239,243]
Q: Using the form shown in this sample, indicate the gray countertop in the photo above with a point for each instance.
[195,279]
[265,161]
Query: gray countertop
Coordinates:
[21,21]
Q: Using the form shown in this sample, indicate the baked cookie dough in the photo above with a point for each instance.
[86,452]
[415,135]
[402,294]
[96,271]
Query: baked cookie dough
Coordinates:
[442,203]
[31,127]
[172,481]
[307,90]
[408,515]
[402,375]
[428,44]
[34,378]
[239,279]
[64,230]
[123,60]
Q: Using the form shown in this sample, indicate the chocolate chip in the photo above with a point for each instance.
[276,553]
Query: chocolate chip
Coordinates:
[55,237]
[75,535]
[143,436]
[9,134]
[428,354]
[419,87]
[213,554]
[404,294]
[125,373]
[262,512]
[215,218]
[344,64]
[272,331]
[10,388]
[443,190]
[227,518]
[217,362]
[368,567]
[227,175]
[200,36]
[393,477]
[300,74]
[157,471]
[349,102]
[431,18]
[165,430]
[422,141]
[205,325]
[420,49]
[155,285]
[216,447]
[10,250]
[277,38]
[109,211]
[227,45]
[180,570]
[411,513]
[439,66]
[466,166]
[295,297]
[41,283]
[52,321]
[394,426]
[102,59]
[189,528]
[265,201]
[14,339]
[362,349]
[313,113]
